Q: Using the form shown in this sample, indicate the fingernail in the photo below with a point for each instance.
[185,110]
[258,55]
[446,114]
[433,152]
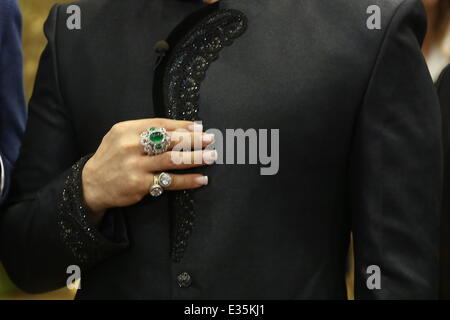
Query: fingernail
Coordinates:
[208,137]
[202,180]
[210,156]
[196,127]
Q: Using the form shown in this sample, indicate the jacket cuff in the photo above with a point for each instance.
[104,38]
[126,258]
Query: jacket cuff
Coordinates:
[87,243]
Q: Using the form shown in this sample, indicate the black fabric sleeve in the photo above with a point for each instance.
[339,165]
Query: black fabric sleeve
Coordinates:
[44,227]
[396,168]
[443,87]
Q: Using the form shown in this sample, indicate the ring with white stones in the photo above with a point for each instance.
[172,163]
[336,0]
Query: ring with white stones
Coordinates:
[155,141]
[156,189]
[165,180]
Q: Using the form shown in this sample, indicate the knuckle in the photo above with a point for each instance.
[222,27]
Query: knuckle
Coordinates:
[131,162]
[121,128]
[158,122]
[127,145]
[116,128]
[106,138]
[135,181]
[186,182]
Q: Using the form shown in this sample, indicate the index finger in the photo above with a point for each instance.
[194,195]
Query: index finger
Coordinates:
[168,124]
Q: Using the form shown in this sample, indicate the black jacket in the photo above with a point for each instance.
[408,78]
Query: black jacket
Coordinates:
[360,150]
[443,85]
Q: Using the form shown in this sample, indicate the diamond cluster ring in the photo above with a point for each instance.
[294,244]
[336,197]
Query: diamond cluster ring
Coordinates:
[161,182]
[155,141]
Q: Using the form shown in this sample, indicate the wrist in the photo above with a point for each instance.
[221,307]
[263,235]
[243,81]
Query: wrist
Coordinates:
[91,195]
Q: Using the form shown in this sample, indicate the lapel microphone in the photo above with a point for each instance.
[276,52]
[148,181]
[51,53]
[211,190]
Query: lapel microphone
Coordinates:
[161,49]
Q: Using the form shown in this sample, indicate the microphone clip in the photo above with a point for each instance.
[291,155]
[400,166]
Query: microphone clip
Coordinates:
[161,49]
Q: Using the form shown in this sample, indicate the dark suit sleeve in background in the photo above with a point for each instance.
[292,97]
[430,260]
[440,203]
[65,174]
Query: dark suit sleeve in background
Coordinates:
[44,228]
[396,168]
[443,85]
[12,101]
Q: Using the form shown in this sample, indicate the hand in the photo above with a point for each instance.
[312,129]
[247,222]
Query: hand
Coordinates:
[120,173]
[210,1]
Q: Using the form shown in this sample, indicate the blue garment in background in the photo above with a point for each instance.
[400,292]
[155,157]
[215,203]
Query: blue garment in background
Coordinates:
[12,100]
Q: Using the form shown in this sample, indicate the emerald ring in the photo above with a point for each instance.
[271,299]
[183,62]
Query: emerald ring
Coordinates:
[155,141]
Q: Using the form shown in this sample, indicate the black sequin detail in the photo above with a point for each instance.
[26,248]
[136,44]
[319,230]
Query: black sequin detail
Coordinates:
[184,73]
[76,233]
[192,57]
[184,223]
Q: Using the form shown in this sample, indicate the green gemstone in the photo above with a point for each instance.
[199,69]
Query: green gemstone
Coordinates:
[152,129]
[158,147]
[156,137]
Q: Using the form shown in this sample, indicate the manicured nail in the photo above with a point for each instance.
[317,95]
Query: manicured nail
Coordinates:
[202,180]
[210,156]
[196,127]
[208,137]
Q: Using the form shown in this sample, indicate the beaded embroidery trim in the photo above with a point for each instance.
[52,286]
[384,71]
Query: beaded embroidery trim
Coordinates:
[75,230]
[192,57]
[184,73]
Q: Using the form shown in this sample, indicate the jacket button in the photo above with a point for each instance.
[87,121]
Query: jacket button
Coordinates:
[184,280]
